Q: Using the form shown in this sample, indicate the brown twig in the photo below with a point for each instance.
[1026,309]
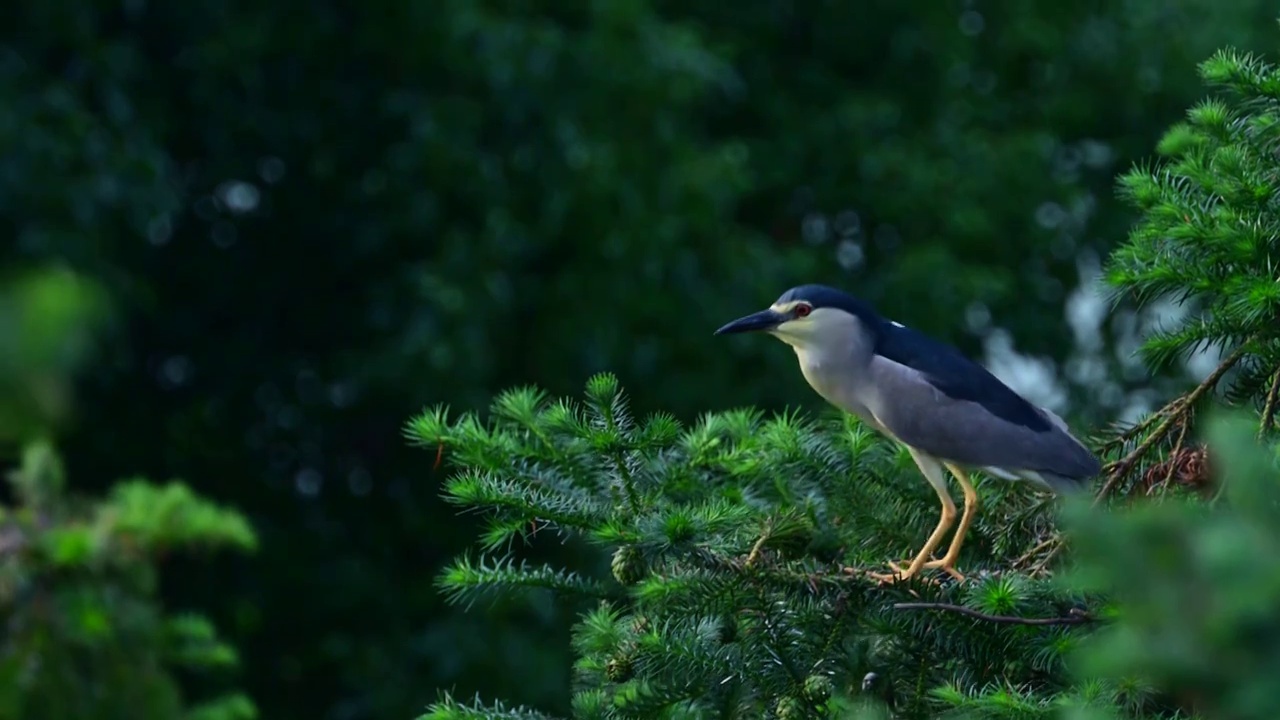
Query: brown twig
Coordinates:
[1074,617]
[1124,436]
[1175,411]
[1039,546]
[1269,409]
[755,549]
[1173,459]
[1048,558]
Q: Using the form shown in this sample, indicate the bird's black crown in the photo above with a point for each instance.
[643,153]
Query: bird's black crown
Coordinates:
[822,296]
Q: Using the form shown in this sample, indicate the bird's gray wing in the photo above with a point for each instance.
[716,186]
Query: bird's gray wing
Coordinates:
[930,416]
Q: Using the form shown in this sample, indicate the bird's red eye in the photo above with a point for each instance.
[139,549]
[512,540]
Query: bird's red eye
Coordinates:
[803,310]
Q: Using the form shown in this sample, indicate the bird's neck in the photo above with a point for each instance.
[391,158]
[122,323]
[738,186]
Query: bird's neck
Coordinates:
[847,346]
[836,369]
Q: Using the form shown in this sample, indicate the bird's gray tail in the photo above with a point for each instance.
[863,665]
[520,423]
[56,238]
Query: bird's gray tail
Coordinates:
[1072,457]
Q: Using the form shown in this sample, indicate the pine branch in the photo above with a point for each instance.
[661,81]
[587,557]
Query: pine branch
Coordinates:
[612,420]
[741,579]
[448,708]
[524,500]
[467,580]
[1174,412]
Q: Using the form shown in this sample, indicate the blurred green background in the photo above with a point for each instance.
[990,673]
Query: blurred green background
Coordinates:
[242,243]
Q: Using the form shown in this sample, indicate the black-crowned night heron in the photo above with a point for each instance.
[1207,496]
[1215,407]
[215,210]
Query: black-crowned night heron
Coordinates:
[948,410]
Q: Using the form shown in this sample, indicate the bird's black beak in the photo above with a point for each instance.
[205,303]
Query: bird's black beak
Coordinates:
[763,320]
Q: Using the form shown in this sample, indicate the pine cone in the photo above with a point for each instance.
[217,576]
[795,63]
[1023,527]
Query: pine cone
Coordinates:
[817,688]
[619,669]
[790,708]
[628,566]
[1189,466]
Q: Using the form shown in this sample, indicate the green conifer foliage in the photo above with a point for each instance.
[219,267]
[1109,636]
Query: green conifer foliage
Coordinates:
[1192,569]
[724,580]
[729,555]
[1208,238]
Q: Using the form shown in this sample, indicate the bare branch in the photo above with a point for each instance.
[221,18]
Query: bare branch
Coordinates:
[1269,410]
[1075,617]
[1175,412]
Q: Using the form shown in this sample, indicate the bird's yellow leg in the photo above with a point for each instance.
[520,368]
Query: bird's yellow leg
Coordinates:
[948,561]
[932,471]
[918,563]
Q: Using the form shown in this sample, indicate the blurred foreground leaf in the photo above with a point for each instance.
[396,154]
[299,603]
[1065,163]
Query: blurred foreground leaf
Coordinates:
[1196,584]
[47,321]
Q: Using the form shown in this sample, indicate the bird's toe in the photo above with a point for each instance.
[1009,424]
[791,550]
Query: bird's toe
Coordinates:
[902,566]
[947,565]
[884,578]
[899,571]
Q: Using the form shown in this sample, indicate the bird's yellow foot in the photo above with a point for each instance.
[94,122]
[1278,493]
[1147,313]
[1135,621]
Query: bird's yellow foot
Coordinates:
[900,572]
[947,565]
[885,578]
[882,578]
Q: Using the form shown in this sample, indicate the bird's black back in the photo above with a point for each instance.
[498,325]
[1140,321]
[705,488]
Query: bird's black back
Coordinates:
[944,366]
